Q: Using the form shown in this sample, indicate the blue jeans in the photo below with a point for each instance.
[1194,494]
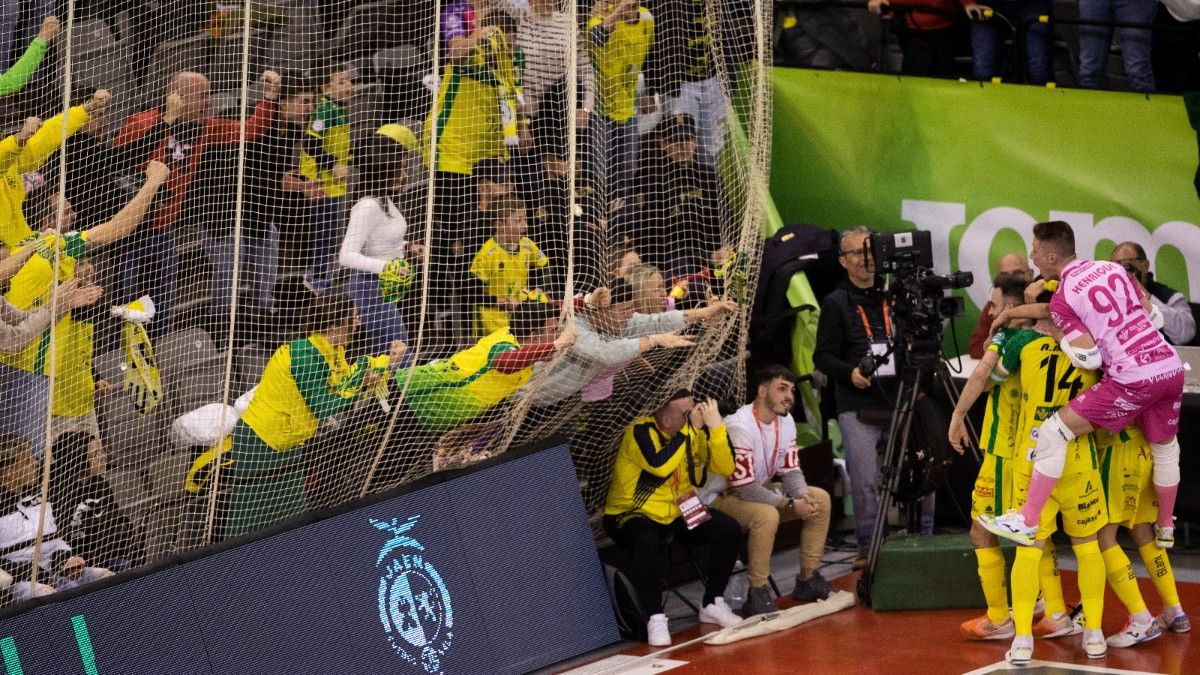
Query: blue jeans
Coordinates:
[617,145]
[261,267]
[329,213]
[860,442]
[149,268]
[1094,42]
[218,250]
[382,321]
[987,39]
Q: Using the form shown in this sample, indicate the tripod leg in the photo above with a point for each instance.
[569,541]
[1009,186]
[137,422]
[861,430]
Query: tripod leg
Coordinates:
[893,465]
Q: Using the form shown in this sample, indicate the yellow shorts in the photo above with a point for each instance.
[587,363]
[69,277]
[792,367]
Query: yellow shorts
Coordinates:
[992,495]
[1127,471]
[1079,497]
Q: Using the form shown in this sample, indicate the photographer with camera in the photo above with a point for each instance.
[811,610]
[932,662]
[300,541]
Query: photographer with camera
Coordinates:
[854,333]
[1179,326]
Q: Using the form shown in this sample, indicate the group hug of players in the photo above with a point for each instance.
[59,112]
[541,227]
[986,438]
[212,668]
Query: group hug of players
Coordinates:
[1083,401]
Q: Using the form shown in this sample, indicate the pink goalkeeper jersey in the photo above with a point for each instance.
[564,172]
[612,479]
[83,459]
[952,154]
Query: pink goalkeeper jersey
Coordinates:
[1098,297]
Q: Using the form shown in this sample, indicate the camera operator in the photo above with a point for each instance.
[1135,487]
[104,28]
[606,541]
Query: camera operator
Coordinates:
[1179,326]
[854,323]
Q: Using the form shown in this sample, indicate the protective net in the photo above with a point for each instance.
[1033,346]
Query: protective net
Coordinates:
[268,257]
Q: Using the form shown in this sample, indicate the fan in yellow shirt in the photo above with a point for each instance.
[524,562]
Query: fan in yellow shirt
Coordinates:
[73,404]
[503,264]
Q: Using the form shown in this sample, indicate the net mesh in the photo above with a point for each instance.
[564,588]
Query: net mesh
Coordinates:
[268,257]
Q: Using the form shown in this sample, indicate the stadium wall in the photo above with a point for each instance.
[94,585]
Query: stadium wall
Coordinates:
[453,578]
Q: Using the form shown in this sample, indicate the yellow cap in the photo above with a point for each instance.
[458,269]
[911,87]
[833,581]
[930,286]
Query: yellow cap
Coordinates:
[401,134]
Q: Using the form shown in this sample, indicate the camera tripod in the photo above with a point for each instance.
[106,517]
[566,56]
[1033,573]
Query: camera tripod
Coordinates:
[896,452]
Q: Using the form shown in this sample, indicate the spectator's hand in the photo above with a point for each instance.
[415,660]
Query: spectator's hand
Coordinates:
[672,341]
[582,115]
[566,338]
[370,379]
[712,413]
[958,433]
[271,81]
[157,172]
[173,108]
[290,181]
[98,102]
[32,124]
[50,28]
[313,189]
[977,12]
[396,353]
[805,506]
[73,567]
[877,6]
[484,34]
[341,171]
[859,380]
[696,416]
[999,322]
[78,296]
[416,249]
[601,298]
[103,388]
[717,308]
[616,204]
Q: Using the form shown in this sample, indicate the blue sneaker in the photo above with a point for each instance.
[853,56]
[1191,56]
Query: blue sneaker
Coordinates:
[1134,633]
[1179,624]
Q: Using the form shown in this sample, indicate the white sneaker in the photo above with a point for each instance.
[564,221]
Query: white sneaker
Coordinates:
[1094,645]
[1021,652]
[1010,526]
[719,613]
[658,631]
[1134,633]
[1164,537]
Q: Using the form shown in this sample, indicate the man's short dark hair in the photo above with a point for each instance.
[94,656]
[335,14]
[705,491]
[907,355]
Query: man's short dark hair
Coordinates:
[528,319]
[331,310]
[766,374]
[294,83]
[321,75]
[1012,286]
[502,208]
[1058,235]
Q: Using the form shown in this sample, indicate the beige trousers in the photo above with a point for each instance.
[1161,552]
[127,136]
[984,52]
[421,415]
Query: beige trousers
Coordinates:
[761,521]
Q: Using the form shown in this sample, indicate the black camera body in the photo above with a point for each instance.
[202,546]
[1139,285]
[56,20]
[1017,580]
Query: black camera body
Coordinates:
[918,297]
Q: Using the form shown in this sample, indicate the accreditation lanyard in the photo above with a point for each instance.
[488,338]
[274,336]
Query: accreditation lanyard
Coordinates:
[887,323]
[775,448]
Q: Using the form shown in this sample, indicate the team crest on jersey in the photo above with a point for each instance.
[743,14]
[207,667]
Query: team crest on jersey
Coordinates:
[414,603]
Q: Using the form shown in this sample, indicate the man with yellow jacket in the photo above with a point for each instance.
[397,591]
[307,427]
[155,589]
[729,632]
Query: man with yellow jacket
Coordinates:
[662,460]
[307,380]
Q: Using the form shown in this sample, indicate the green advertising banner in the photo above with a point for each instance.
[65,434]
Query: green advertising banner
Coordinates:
[978,164]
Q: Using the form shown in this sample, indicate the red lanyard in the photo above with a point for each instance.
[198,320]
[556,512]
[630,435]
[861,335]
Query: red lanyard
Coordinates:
[887,322]
[775,448]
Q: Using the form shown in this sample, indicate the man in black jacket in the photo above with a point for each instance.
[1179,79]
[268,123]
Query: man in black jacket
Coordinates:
[855,321]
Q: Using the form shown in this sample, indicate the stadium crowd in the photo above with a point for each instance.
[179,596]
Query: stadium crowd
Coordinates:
[1157,40]
[319,231]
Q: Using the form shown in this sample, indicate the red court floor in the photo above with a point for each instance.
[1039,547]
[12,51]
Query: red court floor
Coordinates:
[860,640]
